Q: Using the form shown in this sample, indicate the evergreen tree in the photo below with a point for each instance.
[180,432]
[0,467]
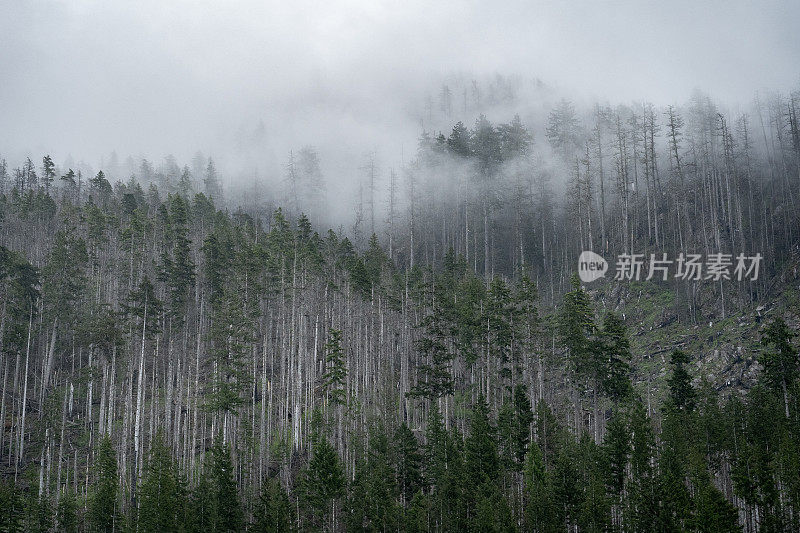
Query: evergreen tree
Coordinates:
[782,362]
[372,505]
[459,141]
[334,378]
[615,354]
[162,499]
[577,327]
[103,504]
[39,515]
[273,512]
[642,507]
[67,513]
[409,463]
[211,182]
[48,172]
[185,183]
[227,512]
[617,447]
[12,507]
[540,512]
[323,484]
[681,392]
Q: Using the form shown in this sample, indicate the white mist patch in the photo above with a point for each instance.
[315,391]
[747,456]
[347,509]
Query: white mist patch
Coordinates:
[591,266]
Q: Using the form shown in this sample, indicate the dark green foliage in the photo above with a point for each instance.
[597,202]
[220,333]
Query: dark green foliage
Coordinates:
[273,512]
[214,504]
[514,428]
[323,484]
[577,327]
[481,460]
[435,379]
[103,513]
[681,392]
[643,500]
[228,516]
[712,512]
[67,513]
[39,515]
[781,359]
[202,504]
[143,304]
[372,505]
[615,356]
[409,463]
[617,446]
[541,514]
[64,276]
[162,496]
[335,369]
[177,264]
[12,507]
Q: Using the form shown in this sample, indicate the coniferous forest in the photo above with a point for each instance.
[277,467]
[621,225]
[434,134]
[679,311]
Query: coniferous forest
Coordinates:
[479,266]
[173,361]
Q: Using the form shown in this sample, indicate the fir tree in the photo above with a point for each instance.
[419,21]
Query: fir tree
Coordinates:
[681,392]
[162,499]
[227,512]
[540,512]
[323,484]
[335,370]
[103,504]
[409,463]
[273,512]
[782,361]
[67,513]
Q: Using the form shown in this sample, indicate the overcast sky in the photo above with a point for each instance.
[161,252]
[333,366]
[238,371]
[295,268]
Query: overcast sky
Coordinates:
[158,77]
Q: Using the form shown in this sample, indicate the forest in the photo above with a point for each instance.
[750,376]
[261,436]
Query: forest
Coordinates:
[173,358]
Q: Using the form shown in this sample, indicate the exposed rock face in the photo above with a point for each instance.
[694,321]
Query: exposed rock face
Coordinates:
[724,349]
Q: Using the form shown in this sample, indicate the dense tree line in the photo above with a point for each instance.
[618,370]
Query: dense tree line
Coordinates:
[170,365]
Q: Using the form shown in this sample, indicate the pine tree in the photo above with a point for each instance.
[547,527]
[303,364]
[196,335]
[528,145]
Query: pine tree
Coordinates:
[227,514]
[594,513]
[372,505]
[781,364]
[642,507]
[334,378]
[712,512]
[211,182]
[48,172]
[177,264]
[617,446]
[67,513]
[273,512]
[185,183]
[162,498]
[39,515]
[459,141]
[323,484]
[409,463]
[615,354]
[482,462]
[681,392]
[540,512]
[202,503]
[103,504]
[12,507]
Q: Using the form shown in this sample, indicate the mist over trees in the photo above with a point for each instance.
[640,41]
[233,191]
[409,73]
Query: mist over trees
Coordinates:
[182,352]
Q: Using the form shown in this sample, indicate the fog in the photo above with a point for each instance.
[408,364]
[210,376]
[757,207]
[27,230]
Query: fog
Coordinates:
[245,82]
